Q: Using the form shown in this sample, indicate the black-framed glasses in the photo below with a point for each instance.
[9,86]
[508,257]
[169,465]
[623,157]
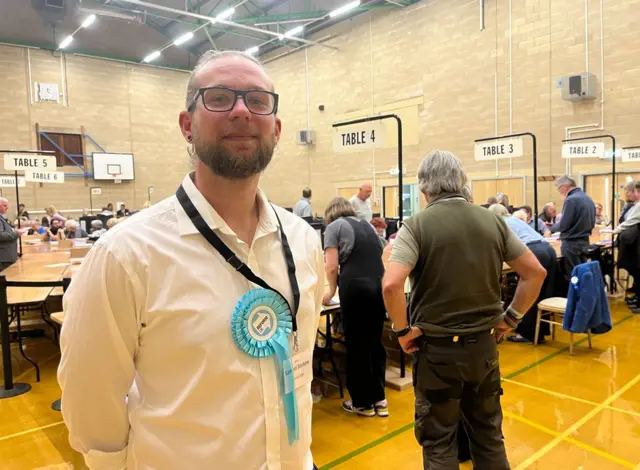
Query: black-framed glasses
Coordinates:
[221,99]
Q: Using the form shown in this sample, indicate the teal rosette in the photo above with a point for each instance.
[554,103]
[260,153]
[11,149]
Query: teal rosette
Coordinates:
[260,327]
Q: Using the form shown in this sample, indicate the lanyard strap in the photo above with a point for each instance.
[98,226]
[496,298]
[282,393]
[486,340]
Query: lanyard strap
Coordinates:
[231,258]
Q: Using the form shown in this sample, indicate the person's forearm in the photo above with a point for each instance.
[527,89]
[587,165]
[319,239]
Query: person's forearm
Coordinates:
[332,277]
[527,292]
[396,304]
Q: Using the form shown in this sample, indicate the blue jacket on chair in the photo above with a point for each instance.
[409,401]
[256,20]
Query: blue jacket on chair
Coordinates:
[587,305]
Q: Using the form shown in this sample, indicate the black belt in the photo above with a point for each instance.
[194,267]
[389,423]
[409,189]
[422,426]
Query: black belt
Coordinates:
[462,339]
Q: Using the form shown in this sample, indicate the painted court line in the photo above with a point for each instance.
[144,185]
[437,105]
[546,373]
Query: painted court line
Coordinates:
[570,440]
[409,426]
[575,426]
[570,397]
[29,431]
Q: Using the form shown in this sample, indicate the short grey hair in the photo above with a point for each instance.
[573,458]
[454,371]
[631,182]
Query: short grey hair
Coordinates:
[440,173]
[4,199]
[71,224]
[565,180]
[499,210]
[630,186]
[206,59]
[466,192]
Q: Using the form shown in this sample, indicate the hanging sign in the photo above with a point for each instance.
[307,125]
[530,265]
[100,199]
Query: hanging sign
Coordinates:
[44,177]
[9,181]
[498,149]
[631,154]
[358,137]
[583,150]
[96,191]
[24,161]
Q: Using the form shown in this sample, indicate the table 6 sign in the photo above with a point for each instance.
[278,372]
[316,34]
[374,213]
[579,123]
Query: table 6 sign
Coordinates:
[37,168]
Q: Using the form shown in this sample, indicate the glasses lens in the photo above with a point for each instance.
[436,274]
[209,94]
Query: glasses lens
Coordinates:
[260,102]
[218,99]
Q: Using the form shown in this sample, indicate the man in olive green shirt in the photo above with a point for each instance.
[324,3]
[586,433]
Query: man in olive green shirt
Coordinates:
[453,253]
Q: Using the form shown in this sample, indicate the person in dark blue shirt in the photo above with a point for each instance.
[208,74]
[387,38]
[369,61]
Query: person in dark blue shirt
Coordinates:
[575,225]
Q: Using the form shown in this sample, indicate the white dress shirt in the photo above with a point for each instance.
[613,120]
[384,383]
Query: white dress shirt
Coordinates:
[148,315]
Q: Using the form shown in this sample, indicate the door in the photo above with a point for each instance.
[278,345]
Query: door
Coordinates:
[410,200]
[483,189]
[70,143]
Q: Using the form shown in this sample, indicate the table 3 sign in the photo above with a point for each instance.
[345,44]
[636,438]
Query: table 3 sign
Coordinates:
[37,168]
[498,149]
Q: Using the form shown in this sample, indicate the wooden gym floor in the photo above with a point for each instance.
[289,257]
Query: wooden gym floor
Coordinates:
[560,412]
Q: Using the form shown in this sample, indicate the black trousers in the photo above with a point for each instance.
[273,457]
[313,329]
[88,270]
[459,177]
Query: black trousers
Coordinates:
[453,379]
[363,314]
[548,259]
[4,265]
[574,253]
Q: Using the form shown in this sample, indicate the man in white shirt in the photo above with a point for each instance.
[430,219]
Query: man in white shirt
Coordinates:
[303,206]
[632,216]
[361,202]
[153,376]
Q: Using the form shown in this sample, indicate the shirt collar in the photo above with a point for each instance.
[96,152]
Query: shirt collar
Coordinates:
[267,223]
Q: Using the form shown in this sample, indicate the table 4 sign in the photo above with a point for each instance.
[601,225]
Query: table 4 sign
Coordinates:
[631,154]
[498,149]
[359,137]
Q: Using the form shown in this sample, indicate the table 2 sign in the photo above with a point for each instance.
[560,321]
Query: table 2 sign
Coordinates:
[583,150]
[498,149]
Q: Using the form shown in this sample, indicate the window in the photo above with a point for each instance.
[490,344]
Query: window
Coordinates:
[70,143]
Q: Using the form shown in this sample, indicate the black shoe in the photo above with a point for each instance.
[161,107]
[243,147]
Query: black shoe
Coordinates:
[631,299]
[464,458]
[635,310]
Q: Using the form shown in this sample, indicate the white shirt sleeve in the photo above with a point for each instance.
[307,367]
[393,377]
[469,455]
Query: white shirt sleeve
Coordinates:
[98,342]
[633,218]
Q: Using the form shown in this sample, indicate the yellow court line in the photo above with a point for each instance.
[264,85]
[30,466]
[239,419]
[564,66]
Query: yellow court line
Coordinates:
[29,431]
[571,429]
[570,440]
[570,397]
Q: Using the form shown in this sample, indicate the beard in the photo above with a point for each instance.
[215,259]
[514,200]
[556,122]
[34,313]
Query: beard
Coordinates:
[223,162]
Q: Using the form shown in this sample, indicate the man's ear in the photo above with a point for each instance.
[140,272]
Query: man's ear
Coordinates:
[278,130]
[185,120]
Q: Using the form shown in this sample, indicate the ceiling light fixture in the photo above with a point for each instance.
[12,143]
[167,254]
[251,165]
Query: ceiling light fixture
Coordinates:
[65,42]
[252,50]
[151,57]
[344,8]
[88,21]
[294,31]
[184,38]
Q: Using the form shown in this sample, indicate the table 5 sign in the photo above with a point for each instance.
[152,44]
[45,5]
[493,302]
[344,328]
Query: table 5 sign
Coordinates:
[37,168]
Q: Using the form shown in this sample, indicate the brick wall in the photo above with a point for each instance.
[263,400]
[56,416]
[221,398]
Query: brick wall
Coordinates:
[433,49]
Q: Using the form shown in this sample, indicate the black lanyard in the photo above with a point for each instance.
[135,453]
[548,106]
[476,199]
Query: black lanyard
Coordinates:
[231,258]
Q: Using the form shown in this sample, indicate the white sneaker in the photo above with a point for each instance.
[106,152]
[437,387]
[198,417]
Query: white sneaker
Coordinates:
[382,408]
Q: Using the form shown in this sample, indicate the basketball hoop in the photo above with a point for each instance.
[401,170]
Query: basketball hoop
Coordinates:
[115,171]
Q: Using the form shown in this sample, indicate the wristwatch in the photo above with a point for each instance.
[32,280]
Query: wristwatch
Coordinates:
[402,332]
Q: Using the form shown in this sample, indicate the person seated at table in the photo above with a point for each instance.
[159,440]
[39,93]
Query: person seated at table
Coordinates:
[633,214]
[542,249]
[549,214]
[52,212]
[601,219]
[504,200]
[123,212]
[381,226]
[22,212]
[73,231]
[525,213]
[55,232]
[112,223]
[97,229]
[353,246]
